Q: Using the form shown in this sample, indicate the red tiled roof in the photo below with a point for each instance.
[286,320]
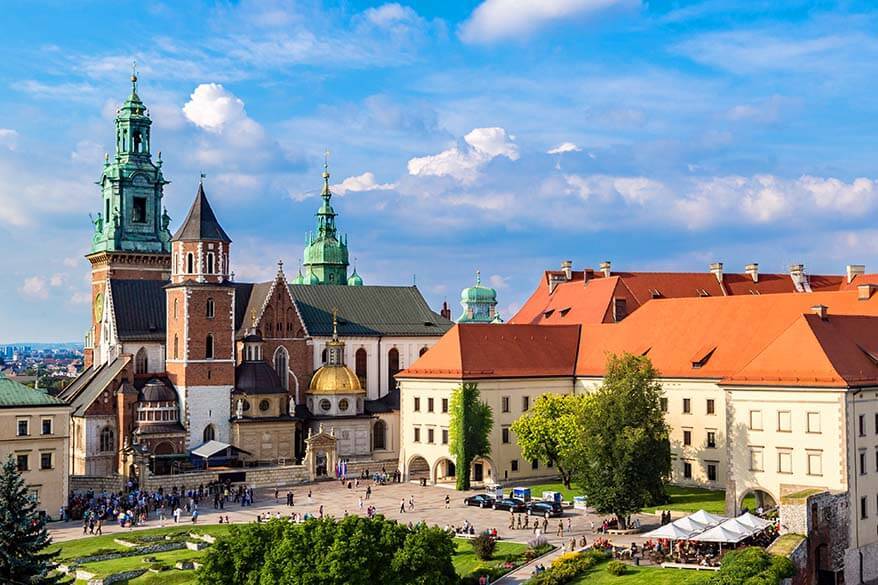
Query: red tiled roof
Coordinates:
[479,351]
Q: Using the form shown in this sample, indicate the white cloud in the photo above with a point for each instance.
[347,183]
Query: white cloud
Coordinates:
[34,288]
[56,279]
[364,182]
[213,108]
[80,298]
[8,138]
[504,19]
[72,261]
[498,282]
[632,190]
[564,147]
[388,15]
[482,146]
[87,152]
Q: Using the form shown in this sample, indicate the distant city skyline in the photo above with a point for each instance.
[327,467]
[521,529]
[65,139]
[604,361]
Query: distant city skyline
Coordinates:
[494,136]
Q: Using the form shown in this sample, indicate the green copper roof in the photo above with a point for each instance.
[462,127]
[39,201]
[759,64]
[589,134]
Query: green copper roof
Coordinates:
[15,394]
[326,253]
[479,304]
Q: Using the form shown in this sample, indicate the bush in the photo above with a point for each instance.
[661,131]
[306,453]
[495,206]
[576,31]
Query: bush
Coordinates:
[568,567]
[617,568]
[484,545]
[752,566]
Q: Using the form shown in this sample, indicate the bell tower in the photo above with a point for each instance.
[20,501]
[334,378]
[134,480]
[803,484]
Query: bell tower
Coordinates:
[326,252]
[131,239]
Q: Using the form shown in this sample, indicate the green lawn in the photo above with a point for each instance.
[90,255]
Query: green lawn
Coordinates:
[643,576]
[465,561]
[536,490]
[89,545]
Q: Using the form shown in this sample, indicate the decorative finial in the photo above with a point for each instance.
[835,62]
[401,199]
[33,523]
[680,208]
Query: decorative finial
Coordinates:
[106,158]
[280,266]
[253,317]
[203,176]
[478,277]
[326,194]
[335,324]
[134,75]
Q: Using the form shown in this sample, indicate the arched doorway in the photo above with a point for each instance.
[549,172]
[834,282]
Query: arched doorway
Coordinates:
[418,469]
[392,368]
[162,463]
[444,471]
[209,433]
[379,435]
[757,500]
[482,471]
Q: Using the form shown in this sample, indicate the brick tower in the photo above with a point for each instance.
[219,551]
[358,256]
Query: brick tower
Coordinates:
[131,238]
[201,324]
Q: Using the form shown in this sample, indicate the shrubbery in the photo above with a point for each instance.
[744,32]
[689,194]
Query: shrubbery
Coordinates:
[617,568]
[484,545]
[568,567]
[752,566]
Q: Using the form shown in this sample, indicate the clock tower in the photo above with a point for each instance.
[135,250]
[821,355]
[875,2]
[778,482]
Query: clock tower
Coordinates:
[131,240]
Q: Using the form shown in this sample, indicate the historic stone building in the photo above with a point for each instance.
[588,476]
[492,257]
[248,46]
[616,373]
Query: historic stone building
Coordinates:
[180,354]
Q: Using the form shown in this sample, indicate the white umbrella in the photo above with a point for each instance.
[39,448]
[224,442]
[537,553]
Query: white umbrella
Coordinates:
[691,525]
[748,519]
[703,517]
[670,531]
[721,533]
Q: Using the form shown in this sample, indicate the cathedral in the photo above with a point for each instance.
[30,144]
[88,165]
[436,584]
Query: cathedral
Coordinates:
[180,355]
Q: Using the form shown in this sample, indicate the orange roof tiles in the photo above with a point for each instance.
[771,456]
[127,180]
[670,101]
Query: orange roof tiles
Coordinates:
[479,351]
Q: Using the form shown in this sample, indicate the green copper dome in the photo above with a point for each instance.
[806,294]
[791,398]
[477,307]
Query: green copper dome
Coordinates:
[355,279]
[479,304]
[326,252]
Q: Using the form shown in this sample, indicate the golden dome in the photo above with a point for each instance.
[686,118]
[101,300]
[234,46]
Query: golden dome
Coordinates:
[336,379]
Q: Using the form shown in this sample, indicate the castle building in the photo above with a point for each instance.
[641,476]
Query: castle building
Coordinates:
[180,354]
[479,304]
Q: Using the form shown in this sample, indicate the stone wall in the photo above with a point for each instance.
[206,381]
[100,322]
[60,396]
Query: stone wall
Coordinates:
[823,517]
[84,483]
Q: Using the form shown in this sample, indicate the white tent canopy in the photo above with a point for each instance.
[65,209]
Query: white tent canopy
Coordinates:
[706,527]
[703,517]
[672,532]
[734,530]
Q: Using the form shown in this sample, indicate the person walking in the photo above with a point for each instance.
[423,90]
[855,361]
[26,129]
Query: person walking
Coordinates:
[99,525]
[402,506]
[411,503]
[447,501]
[511,519]
[561,528]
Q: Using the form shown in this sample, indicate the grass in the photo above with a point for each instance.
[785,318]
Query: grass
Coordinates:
[643,576]
[785,544]
[465,561]
[89,545]
[692,499]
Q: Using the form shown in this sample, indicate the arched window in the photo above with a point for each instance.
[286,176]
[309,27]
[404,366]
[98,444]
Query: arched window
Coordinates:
[176,306]
[136,137]
[106,439]
[209,433]
[208,347]
[281,366]
[176,347]
[190,263]
[211,309]
[141,361]
[423,351]
[360,366]
[379,435]
[210,262]
[323,355]
[392,368]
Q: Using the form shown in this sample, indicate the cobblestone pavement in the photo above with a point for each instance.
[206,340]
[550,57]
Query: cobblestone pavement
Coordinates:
[337,499]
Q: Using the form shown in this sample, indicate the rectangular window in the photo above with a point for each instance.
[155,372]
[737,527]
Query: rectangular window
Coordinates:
[430,436]
[505,403]
[862,463]
[514,465]
[47,426]
[687,406]
[21,462]
[417,404]
[534,464]
[755,420]
[525,403]
[138,211]
[444,405]
[784,421]
[711,439]
[417,435]
[876,423]
[711,472]
[711,406]
[687,438]
[429,405]
[862,425]
[505,432]
[864,511]
[815,464]
[784,462]
[45,461]
[813,422]
[664,403]
[756,460]
[687,470]
[23,428]
[444,436]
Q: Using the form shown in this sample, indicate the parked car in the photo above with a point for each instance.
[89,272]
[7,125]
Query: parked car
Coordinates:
[545,509]
[480,500]
[511,504]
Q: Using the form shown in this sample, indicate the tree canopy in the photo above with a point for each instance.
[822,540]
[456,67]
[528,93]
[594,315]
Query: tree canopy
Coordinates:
[469,430]
[550,432]
[354,550]
[23,534]
[625,454]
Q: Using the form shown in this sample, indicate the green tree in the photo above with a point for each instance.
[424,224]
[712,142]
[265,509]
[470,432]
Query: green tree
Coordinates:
[425,558]
[550,432]
[752,566]
[625,456]
[469,428]
[23,534]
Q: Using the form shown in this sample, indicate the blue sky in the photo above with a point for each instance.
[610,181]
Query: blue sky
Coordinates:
[497,135]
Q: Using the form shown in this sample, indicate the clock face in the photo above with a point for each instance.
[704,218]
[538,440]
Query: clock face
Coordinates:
[99,306]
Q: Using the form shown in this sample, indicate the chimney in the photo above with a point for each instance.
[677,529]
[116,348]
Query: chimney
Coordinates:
[800,281]
[605,268]
[717,269]
[587,274]
[865,291]
[445,311]
[752,270]
[854,270]
[567,269]
[821,311]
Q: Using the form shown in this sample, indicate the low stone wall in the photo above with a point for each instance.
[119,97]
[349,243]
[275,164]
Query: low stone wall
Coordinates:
[84,483]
